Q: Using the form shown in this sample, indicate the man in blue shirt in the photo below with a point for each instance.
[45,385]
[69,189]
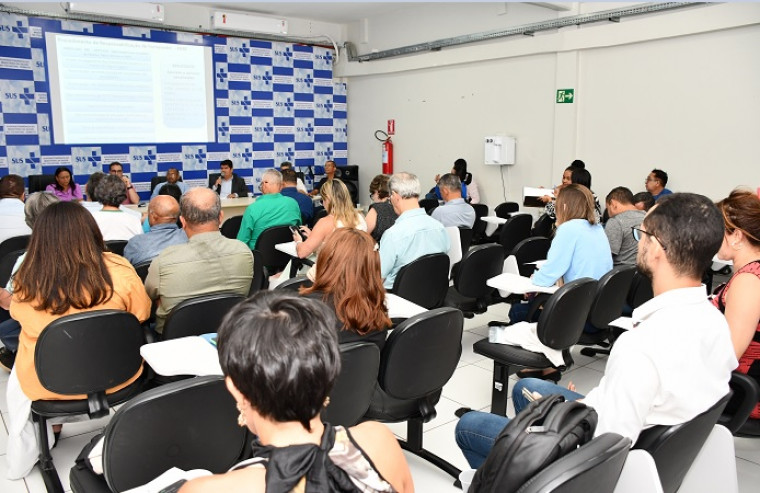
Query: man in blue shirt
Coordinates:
[172,176]
[414,234]
[655,184]
[455,212]
[290,189]
[163,212]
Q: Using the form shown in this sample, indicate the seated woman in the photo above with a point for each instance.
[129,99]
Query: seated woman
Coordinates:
[66,270]
[579,249]
[739,298]
[340,214]
[577,174]
[279,354]
[114,223]
[381,215]
[64,187]
[348,280]
[473,191]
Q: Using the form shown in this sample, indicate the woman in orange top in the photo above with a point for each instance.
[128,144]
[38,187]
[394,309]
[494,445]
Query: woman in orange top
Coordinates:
[68,270]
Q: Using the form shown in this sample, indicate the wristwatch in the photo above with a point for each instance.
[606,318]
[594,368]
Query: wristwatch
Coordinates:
[130,187]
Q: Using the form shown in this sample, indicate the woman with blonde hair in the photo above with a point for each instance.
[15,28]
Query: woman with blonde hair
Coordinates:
[341,214]
[348,280]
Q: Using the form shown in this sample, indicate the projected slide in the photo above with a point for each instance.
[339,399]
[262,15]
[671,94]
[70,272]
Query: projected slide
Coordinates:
[113,91]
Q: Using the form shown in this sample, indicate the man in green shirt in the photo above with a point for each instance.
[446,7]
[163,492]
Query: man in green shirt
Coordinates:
[270,209]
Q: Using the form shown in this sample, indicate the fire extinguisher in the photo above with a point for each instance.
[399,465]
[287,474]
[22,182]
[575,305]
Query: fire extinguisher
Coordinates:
[387,151]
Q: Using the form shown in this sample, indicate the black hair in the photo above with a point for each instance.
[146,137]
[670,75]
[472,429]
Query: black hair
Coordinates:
[226,162]
[580,176]
[72,184]
[690,229]
[661,176]
[281,352]
[646,198]
[171,189]
[577,164]
[621,194]
[460,169]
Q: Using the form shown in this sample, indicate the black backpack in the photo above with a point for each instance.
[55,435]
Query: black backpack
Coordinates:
[545,431]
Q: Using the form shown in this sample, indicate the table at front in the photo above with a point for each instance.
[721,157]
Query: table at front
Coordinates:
[230,207]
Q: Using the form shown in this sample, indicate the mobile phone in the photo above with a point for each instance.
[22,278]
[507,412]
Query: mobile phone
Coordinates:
[297,231]
[174,487]
[531,396]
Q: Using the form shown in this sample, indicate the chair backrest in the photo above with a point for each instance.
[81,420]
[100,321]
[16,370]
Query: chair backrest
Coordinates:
[352,392]
[14,243]
[199,315]
[155,181]
[596,466]
[231,227]
[319,213]
[564,315]
[295,283]
[38,183]
[421,354]
[479,228]
[515,230]
[640,291]
[116,246]
[260,279]
[479,264]
[7,262]
[429,205]
[674,448]
[465,238]
[273,259]
[506,209]
[530,250]
[88,352]
[142,269]
[543,227]
[746,394]
[191,424]
[212,179]
[611,292]
[424,281]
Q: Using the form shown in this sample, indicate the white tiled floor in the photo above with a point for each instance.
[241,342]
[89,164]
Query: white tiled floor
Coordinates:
[470,386]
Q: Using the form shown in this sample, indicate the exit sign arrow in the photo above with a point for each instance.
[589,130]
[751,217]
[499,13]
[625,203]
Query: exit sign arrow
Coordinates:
[565,95]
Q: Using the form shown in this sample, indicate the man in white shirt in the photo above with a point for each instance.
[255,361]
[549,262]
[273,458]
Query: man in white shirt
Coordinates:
[455,212]
[676,361]
[12,221]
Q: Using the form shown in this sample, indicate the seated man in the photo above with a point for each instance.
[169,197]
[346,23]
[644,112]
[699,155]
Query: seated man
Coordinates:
[270,209]
[643,201]
[116,169]
[299,183]
[414,234]
[623,216]
[455,212]
[163,212]
[655,184]
[677,360]
[290,189]
[172,177]
[207,263]
[12,208]
[229,185]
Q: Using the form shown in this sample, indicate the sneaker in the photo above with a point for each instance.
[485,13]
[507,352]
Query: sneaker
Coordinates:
[7,358]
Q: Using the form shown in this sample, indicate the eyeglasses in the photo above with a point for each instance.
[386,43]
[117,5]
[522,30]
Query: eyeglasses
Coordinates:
[637,236]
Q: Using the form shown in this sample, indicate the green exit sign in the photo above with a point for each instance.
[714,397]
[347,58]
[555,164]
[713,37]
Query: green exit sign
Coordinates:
[565,95]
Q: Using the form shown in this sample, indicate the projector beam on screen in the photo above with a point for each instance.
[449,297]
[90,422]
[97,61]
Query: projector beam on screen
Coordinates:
[114,91]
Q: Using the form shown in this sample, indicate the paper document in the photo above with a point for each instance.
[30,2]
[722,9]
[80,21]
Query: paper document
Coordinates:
[168,478]
[289,248]
[537,192]
[399,307]
[515,283]
[184,356]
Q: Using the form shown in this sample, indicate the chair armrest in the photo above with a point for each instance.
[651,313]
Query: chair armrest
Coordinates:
[747,390]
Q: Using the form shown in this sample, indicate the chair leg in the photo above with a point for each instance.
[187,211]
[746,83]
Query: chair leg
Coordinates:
[500,390]
[47,468]
[413,444]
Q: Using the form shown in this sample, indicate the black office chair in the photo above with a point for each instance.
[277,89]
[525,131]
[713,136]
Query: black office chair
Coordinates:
[142,269]
[231,227]
[529,251]
[190,424]
[260,279]
[273,259]
[424,281]
[212,179]
[418,359]
[199,315]
[319,213]
[515,230]
[116,246]
[156,180]
[609,300]
[38,183]
[353,390]
[639,293]
[465,238]
[429,205]
[506,209]
[596,466]
[559,327]
[14,243]
[6,266]
[479,228]
[470,293]
[674,448]
[746,395]
[544,226]
[84,353]
[295,283]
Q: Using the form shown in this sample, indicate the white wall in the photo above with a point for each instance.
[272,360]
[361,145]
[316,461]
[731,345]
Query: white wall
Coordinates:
[675,90]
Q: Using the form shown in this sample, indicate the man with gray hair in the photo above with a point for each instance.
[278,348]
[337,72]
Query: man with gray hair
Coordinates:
[455,212]
[270,209]
[163,212]
[207,263]
[414,234]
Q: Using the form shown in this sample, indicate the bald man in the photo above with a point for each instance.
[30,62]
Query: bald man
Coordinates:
[163,212]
